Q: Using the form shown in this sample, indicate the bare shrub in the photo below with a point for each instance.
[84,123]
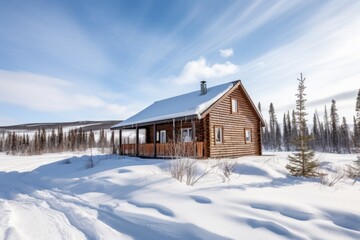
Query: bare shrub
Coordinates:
[228,168]
[178,168]
[333,178]
[189,170]
[353,171]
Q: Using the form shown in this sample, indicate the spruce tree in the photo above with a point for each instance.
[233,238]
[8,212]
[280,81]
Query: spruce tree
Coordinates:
[334,127]
[112,142]
[273,125]
[266,138]
[278,137]
[344,137]
[294,130]
[302,162]
[286,134]
[327,137]
[316,132]
[355,134]
[357,122]
[60,139]
[91,139]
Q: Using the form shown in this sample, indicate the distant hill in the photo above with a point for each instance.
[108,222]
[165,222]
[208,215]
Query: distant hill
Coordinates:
[86,126]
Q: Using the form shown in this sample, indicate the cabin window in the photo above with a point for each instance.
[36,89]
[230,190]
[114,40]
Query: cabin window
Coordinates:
[248,137]
[157,136]
[234,105]
[218,135]
[186,134]
[163,136]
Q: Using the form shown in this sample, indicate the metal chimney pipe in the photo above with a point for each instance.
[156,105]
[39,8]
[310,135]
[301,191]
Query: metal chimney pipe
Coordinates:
[203,88]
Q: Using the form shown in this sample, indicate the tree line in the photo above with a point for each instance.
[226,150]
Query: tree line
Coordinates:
[329,132]
[56,140]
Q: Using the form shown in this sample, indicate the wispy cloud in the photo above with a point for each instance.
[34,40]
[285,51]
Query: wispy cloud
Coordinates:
[197,70]
[47,94]
[327,52]
[228,52]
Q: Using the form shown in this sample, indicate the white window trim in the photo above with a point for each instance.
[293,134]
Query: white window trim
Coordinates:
[163,140]
[251,139]
[188,131]
[233,109]
[221,134]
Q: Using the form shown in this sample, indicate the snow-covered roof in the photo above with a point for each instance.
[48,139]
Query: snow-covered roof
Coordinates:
[189,104]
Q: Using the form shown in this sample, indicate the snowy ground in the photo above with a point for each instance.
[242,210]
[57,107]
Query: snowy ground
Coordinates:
[132,198]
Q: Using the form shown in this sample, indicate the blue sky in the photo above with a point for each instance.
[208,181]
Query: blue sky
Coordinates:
[98,60]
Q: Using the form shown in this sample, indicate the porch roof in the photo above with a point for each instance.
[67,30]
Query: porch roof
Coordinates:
[189,104]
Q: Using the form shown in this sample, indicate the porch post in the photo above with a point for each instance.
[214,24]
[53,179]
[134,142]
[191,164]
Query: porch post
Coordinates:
[193,130]
[137,141]
[154,140]
[193,138]
[174,139]
[120,142]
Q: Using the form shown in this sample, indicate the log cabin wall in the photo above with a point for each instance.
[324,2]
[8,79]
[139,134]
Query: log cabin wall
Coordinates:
[234,125]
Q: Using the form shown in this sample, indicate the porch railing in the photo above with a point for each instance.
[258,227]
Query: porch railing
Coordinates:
[189,149]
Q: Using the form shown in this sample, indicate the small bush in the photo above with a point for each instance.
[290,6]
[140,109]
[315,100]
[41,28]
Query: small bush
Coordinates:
[353,171]
[333,178]
[227,168]
[189,170]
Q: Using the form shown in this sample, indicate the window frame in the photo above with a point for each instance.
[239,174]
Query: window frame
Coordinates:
[251,135]
[232,105]
[188,132]
[161,134]
[221,136]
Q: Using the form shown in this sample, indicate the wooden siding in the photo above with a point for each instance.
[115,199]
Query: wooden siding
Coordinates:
[234,125]
[199,130]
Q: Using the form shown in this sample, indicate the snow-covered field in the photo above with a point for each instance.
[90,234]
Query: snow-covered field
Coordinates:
[132,198]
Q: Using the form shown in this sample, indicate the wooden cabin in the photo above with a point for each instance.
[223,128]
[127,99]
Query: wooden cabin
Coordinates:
[216,122]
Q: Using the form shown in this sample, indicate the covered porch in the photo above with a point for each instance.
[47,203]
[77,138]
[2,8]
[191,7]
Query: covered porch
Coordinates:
[171,138]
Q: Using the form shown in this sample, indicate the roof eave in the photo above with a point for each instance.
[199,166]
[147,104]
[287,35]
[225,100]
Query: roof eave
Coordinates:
[142,124]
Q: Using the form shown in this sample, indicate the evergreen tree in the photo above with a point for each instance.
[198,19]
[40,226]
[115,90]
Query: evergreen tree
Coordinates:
[278,137]
[91,139]
[112,142]
[357,123]
[266,138]
[316,132]
[344,137]
[261,128]
[289,129]
[356,137]
[294,129]
[286,133]
[273,125]
[36,143]
[334,127]
[302,163]
[259,107]
[327,135]
[13,143]
[52,142]
[42,139]
[60,139]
